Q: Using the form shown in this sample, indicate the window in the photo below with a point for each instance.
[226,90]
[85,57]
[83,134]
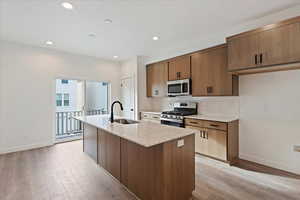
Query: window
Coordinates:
[58,99]
[62,99]
[63,81]
[66,100]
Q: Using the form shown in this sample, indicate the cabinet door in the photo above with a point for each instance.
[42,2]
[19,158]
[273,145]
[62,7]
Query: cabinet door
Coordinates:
[150,76]
[242,51]
[200,69]
[180,68]
[201,143]
[217,144]
[210,76]
[280,45]
[157,77]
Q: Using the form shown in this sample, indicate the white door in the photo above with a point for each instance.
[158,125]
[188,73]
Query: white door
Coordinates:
[127,97]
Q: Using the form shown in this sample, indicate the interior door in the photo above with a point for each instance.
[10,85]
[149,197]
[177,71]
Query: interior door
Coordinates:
[280,45]
[127,97]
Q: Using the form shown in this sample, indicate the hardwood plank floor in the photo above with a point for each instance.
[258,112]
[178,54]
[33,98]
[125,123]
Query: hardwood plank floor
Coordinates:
[64,172]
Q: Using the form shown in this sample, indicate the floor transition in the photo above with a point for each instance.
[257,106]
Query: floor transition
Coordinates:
[65,172]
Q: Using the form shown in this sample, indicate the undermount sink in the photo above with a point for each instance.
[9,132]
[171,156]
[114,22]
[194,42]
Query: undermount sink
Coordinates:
[125,121]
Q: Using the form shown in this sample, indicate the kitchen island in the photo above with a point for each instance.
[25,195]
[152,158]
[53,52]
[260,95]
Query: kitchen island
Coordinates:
[153,161]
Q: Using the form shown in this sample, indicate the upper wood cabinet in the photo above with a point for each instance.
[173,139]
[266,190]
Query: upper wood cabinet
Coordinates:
[157,77]
[180,68]
[277,44]
[280,45]
[242,51]
[209,73]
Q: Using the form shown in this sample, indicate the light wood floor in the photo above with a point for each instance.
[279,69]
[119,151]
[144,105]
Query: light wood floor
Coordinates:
[65,172]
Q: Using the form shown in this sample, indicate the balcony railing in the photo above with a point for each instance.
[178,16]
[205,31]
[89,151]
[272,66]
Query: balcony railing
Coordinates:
[67,126]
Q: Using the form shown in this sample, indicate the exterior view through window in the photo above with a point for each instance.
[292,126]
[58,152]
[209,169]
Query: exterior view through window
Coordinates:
[77,98]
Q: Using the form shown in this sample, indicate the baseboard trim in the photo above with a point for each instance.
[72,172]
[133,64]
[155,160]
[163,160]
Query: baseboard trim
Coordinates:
[25,147]
[270,163]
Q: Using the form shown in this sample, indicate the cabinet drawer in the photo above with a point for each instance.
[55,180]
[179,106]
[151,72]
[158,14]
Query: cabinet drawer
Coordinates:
[146,116]
[215,125]
[194,122]
[155,117]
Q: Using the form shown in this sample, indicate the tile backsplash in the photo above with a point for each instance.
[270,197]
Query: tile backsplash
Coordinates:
[206,105]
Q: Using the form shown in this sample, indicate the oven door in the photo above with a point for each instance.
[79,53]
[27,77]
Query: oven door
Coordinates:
[172,123]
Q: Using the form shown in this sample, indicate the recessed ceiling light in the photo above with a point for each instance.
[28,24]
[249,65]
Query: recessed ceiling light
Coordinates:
[116,56]
[108,21]
[67,5]
[92,35]
[155,38]
[49,42]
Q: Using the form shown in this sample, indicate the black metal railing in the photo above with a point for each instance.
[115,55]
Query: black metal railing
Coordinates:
[66,125]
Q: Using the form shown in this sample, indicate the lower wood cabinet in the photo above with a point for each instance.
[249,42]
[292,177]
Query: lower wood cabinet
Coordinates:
[109,155]
[216,139]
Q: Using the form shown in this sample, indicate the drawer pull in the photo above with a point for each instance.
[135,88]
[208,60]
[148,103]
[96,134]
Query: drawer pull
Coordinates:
[214,125]
[194,122]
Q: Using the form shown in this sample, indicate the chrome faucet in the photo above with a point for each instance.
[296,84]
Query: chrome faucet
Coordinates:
[112,110]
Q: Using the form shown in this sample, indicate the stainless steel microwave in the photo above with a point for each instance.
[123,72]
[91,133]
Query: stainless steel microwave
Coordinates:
[179,88]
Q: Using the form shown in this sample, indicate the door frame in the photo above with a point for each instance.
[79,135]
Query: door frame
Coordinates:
[109,99]
[133,79]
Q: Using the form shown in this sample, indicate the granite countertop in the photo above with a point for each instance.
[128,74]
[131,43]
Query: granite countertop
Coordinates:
[218,118]
[143,133]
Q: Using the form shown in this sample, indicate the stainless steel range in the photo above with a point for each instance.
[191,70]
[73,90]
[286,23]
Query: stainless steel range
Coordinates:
[176,117]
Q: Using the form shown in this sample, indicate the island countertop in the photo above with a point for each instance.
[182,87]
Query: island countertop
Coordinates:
[143,133]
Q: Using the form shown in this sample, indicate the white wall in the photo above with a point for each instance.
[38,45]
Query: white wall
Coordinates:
[27,89]
[270,119]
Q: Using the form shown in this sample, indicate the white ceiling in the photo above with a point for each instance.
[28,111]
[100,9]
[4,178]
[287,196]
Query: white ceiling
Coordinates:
[135,22]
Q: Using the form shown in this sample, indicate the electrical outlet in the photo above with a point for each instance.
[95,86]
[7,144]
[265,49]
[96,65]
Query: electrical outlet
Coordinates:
[297,148]
[180,143]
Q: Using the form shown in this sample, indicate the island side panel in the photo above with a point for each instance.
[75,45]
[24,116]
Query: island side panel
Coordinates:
[90,145]
[141,170]
[164,171]
[179,169]
[109,155]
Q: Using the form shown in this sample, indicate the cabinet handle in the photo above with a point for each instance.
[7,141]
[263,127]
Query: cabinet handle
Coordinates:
[261,58]
[209,89]
[214,125]
[256,59]
[179,74]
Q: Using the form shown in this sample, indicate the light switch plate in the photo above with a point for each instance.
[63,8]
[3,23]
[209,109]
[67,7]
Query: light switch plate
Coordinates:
[180,143]
[297,148]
